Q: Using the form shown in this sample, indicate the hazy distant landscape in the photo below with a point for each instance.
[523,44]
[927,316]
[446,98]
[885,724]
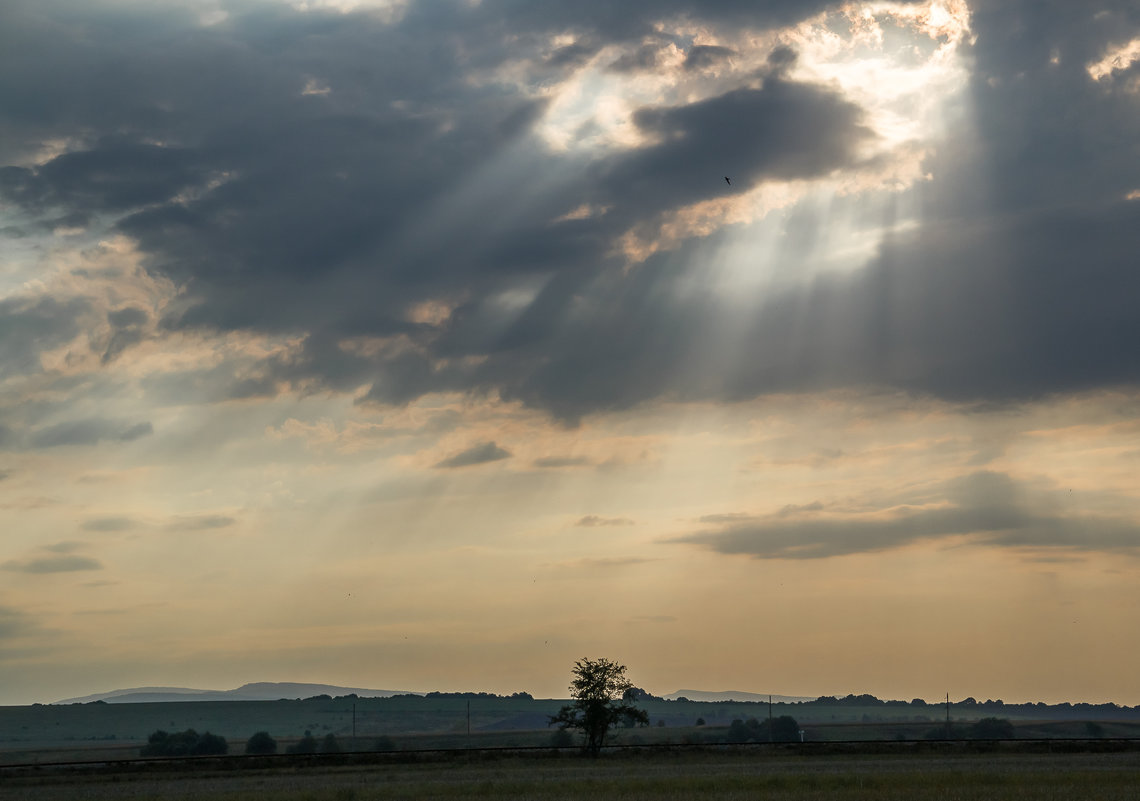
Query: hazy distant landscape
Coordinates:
[450,745]
[117,727]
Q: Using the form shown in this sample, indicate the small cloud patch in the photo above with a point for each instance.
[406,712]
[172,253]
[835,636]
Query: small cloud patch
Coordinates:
[108,524]
[200,522]
[52,564]
[479,454]
[595,521]
[562,461]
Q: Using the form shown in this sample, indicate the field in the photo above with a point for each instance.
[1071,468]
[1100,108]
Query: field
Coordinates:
[735,774]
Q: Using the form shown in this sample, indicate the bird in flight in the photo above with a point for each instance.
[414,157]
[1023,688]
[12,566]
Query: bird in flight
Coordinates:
[727,181]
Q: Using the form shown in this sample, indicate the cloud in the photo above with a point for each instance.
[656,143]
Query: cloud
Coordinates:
[702,57]
[200,522]
[593,521]
[606,563]
[31,325]
[68,546]
[477,454]
[991,508]
[562,461]
[14,623]
[108,524]
[127,329]
[90,431]
[333,216]
[52,564]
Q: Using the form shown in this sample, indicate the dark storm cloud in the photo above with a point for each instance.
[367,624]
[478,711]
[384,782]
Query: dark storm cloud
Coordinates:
[701,57]
[477,454]
[111,176]
[276,206]
[992,507]
[87,432]
[782,130]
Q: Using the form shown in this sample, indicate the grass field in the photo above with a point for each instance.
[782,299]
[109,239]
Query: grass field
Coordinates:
[631,776]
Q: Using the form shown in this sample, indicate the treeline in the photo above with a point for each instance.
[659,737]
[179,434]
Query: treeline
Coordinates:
[184,743]
[191,743]
[1065,709]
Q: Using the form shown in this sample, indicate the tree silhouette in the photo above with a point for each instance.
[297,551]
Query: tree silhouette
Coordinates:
[598,690]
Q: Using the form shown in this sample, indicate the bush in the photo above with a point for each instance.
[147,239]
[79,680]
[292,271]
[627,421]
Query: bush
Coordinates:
[561,739]
[784,729]
[384,743]
[261,743]
[184,743]
[306,745]
[329,745]
[992,729]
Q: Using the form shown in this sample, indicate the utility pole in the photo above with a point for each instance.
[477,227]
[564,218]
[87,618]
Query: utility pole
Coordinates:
[468,722]
[354,727]
[947,716]
[770,736]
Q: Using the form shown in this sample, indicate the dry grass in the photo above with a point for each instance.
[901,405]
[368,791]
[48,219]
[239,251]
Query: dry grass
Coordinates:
[660,776]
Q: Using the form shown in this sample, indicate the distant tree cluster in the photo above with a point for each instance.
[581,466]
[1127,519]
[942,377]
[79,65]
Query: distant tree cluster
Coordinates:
[184,743]
[311,745]
[261,743]
[984,729]
[783,729]
[474,696]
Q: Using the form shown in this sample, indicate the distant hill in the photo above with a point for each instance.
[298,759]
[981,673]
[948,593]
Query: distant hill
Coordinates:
[259,691]
[737,695]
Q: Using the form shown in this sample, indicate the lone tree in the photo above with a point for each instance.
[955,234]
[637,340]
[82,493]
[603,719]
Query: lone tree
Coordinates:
[598,689]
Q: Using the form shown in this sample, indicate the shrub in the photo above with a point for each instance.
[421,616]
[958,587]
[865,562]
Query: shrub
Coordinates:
[184,743]
[306,745]
[261,743]
[992,729]
[562,739]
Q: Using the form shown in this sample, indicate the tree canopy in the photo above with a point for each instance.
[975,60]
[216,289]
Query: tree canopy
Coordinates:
[599,691]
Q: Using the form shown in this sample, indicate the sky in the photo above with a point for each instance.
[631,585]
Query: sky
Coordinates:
[766,345]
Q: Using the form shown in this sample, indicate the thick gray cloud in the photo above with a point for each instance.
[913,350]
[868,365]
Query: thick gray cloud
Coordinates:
[126,330]
[31,325]
[992,507]
[702,56]
[477,454]
[320,174]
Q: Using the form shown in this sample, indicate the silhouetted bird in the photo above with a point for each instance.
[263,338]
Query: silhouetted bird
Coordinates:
[727,181]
